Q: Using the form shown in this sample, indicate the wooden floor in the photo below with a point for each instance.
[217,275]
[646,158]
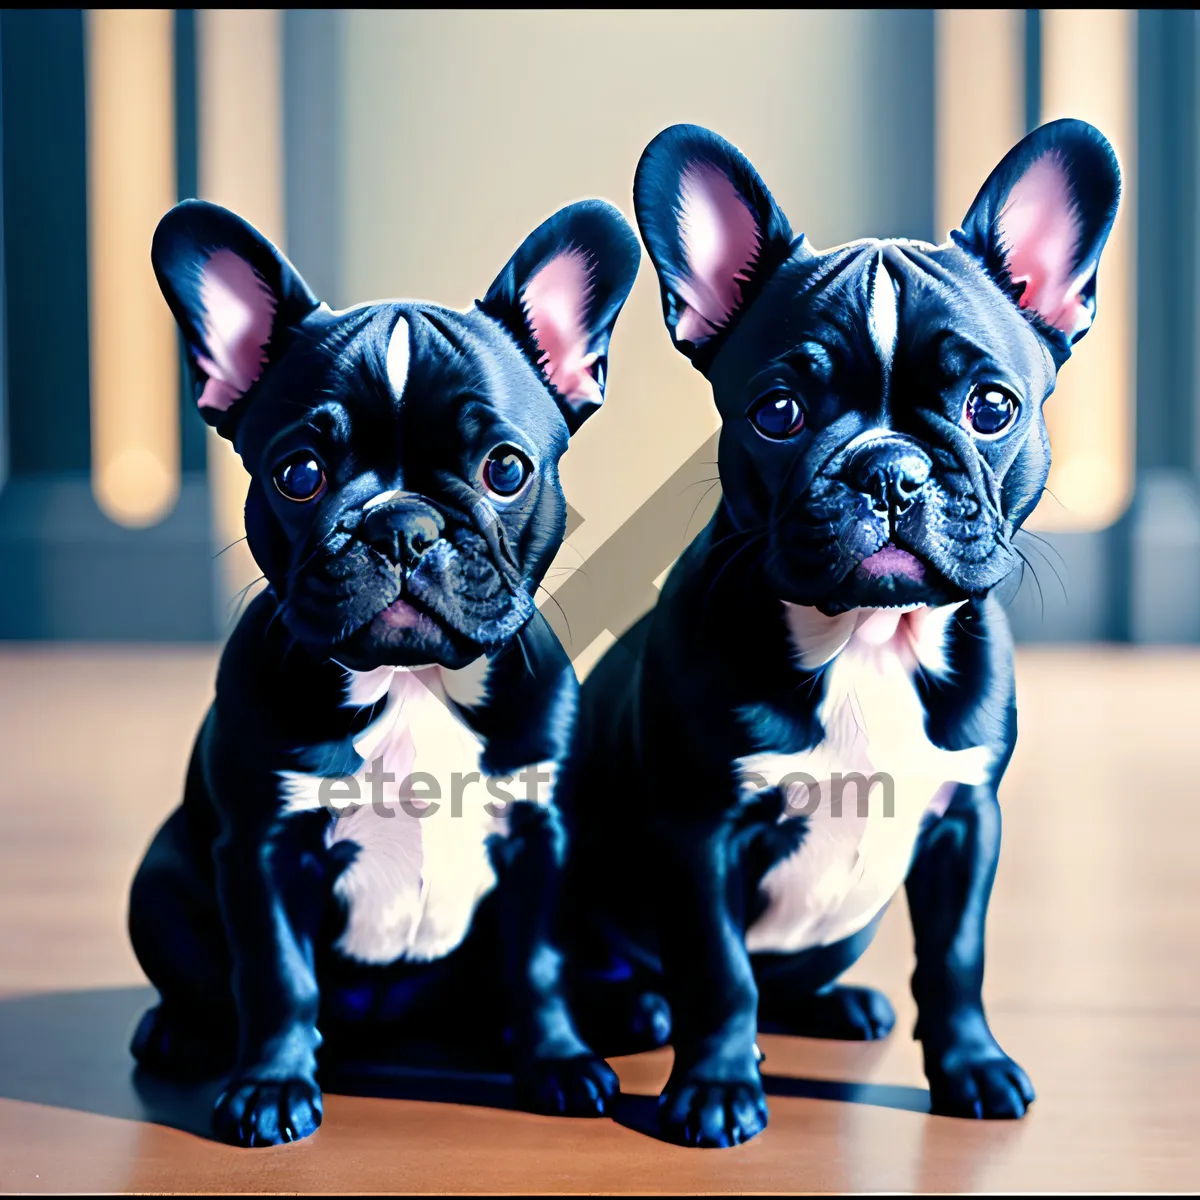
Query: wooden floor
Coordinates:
[1093,977]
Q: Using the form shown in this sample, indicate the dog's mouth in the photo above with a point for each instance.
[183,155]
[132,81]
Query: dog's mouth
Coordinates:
[891,577]
[450,609]
[407,632]
[403,615]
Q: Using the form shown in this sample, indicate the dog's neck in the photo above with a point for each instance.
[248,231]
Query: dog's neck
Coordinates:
[463,685]
[915,632]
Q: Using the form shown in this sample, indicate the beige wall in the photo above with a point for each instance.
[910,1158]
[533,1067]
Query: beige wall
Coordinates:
[464,130]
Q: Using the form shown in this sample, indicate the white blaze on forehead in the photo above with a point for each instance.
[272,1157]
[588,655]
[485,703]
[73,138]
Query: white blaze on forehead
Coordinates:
[884,317]
[397,358]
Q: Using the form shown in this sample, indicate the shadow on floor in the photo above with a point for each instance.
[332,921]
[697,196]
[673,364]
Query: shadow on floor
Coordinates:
[640,1113]
[71,1050]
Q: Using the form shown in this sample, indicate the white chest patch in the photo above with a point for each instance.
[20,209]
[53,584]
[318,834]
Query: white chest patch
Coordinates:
[860,831]
[420,813]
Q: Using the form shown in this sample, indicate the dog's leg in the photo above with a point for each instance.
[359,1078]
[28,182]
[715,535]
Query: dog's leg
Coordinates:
[268,904]
[714,1096]
[948,888]
[556,1071]
[614,973]
[797,992]
[625,1015]
[175,928]
[798,995]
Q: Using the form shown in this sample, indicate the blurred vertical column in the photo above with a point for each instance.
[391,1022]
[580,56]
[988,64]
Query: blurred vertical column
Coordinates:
[1089,71]
[140,568]
[1087,68]
[131,183]
[240,165]
[1162,544]
[313,140]
[45,242]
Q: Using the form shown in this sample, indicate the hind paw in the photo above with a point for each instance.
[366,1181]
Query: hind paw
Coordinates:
[852,1014]
[167,1044]
[624,1020]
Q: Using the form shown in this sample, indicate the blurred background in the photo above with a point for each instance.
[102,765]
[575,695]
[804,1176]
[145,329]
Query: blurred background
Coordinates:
[408,153]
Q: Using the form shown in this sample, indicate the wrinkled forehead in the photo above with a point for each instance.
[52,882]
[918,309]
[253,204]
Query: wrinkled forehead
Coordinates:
[398,356]
[875,306]
[407,363]
[401,353]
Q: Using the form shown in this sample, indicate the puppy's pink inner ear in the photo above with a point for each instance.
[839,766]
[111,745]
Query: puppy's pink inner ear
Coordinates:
[1040,229]
[556,301]
[239,313]
[721,242]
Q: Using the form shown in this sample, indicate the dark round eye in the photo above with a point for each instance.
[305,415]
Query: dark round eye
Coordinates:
[299,478]
[777,416]
[505,471]
[989,410]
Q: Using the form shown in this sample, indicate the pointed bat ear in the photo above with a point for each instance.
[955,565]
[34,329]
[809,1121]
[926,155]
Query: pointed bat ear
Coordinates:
[1041,221]
[713,231]
[560,295]
[234,296]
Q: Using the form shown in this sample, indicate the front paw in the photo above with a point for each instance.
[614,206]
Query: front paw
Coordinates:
[694,1111]
[982,1083]
[580,1086]
[267,1112]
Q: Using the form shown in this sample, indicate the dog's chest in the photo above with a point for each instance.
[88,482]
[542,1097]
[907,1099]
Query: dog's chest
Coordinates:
[865,787]
[420,828]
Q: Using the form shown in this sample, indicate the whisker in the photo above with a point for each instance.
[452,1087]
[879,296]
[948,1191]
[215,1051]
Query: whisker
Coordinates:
[1053,569]
[565,569]
[1043,541]
[738,533]
[239,597]
[712,484]
[554,599]
[1036,582]
[229,547]
[1056,500]
[277,615]
[572,549]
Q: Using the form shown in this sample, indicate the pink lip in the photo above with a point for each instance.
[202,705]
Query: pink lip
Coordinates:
[401,615]
[891,560]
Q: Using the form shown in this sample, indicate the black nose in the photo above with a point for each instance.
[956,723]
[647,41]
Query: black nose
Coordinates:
[891,471]
[402,528]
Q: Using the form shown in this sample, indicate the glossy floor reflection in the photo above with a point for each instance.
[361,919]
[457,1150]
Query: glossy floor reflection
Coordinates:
[1093,983]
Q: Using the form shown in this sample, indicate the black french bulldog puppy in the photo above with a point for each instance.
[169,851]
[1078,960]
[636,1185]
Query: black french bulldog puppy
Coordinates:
[821,706]
[367,844]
